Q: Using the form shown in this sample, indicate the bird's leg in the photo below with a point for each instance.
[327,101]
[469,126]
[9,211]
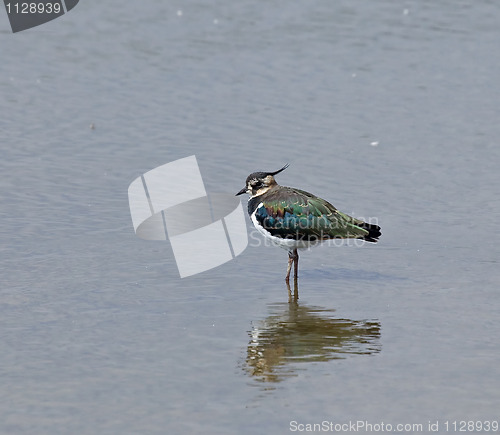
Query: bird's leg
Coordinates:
[296,265]
[289,291]
[290,261]
[293,296]
[295,290]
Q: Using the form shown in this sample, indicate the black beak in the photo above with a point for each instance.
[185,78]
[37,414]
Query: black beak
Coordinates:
[241,192]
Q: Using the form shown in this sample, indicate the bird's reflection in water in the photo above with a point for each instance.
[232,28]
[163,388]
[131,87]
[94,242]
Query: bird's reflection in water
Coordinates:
[293,334]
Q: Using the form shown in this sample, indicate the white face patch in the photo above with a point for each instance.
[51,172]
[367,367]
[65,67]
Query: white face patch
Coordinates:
[261,191]
[256,186]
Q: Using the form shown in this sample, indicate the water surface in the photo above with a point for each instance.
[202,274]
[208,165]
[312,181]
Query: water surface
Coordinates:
[388,110]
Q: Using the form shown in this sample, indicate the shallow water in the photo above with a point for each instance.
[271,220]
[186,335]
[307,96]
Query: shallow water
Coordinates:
[389,111]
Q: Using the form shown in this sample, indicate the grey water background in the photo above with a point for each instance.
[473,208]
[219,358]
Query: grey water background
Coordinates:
[387,109]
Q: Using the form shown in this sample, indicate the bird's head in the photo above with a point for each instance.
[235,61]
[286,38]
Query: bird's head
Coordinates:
[259,183]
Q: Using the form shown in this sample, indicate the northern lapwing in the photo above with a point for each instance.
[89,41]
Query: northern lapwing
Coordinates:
[294,219]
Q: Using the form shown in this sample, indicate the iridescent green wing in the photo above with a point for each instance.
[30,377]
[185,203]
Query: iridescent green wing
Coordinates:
[296,214]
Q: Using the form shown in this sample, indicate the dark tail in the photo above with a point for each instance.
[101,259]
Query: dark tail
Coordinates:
[373,232]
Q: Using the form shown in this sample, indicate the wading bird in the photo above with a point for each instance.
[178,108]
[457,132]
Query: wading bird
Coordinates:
[294,219]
